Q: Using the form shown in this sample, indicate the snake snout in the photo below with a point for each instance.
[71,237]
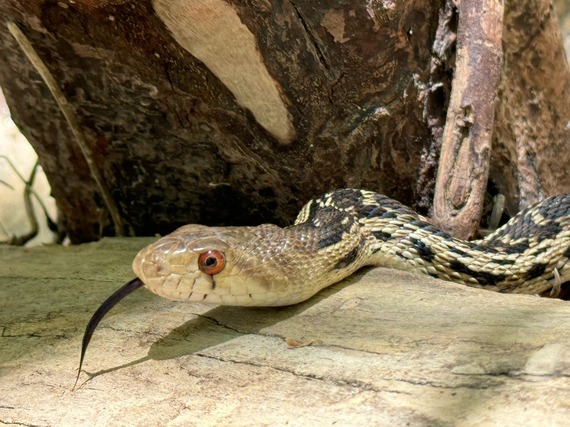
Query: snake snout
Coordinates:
[161,259]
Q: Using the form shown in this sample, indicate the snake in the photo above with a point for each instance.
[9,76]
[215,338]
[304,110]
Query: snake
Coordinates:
[337,234]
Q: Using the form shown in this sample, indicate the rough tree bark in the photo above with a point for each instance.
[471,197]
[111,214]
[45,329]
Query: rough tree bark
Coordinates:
[150,114]
[531,135]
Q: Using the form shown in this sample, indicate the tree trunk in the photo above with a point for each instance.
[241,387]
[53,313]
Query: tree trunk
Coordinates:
[150,114]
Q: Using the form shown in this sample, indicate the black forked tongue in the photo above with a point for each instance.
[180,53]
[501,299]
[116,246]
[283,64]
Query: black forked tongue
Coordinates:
[107,305]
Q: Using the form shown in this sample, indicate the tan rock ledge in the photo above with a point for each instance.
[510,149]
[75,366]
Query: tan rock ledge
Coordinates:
[386,348]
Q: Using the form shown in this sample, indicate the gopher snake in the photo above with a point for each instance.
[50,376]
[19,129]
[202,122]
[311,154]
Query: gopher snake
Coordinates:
[335,235]
[342,231]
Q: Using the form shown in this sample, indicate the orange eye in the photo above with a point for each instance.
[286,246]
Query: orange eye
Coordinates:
[211,262]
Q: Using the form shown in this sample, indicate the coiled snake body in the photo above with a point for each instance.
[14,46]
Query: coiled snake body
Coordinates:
[335,235]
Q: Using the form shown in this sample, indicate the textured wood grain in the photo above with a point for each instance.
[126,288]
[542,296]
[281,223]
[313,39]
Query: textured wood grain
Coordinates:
[388,348]
[315,98]
[532,132]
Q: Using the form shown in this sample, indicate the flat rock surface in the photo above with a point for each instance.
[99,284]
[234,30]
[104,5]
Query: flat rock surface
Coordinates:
[381,348]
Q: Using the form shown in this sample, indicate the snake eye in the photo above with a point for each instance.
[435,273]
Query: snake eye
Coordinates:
[211,262]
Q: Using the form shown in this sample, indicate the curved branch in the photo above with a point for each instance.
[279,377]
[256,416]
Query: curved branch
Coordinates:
[466,146]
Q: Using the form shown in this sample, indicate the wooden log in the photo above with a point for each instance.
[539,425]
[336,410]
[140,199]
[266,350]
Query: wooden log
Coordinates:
[386,347]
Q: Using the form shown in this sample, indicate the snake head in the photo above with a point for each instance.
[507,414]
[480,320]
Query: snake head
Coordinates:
[220,266]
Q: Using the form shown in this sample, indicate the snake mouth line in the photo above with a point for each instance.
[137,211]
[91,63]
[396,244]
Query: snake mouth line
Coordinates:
[103,309]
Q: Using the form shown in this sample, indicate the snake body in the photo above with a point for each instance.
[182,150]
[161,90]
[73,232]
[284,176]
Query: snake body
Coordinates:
[342,231]
[335,235]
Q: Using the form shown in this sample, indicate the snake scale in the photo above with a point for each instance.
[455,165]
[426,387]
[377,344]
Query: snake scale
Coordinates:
[337,234]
